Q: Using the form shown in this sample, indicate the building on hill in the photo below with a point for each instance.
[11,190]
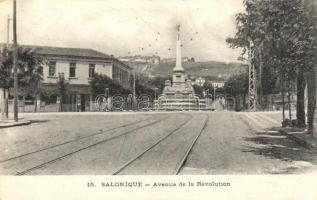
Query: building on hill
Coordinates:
[141,59]
[77,66]
[216,81]
[217,84]
[200,81]
[184,59]
[141,64]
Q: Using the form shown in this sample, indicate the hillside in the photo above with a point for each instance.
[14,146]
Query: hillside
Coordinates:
[210,68]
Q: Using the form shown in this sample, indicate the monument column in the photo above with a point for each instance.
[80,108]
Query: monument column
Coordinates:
[178,65]
[178,71]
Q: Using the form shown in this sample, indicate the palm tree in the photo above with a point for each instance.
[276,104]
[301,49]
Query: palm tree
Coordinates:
[30,72]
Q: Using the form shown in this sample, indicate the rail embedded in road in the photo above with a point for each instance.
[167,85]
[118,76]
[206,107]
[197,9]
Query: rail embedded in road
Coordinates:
[188,142]
[77,142]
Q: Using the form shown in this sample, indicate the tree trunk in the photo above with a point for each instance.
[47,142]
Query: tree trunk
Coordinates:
[283,102]
[300,104]
[289,104]
[244,102]
[35,103]
[311,90]
[2,103]
[22,103]
[7,103]
[267,104]
[236,103]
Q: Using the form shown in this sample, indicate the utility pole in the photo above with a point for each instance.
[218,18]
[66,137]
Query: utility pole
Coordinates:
[207,102]
[215,97]
[260,52]
[252,80]
[133,98]
[6,91]
[15,62]
[8,30]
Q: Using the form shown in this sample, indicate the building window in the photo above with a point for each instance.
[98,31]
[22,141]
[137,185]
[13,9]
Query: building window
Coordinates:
[52,69]
[72,70]
[91,70]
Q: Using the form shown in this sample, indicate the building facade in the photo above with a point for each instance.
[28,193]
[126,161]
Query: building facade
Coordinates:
[217,84]
[200,81]
[78,67]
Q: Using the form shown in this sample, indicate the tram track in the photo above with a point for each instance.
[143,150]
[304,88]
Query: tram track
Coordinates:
[181,164]
[73,140]
[43,164]
[183,158]
[192,130]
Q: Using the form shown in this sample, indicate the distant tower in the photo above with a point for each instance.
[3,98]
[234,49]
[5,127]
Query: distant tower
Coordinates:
[178,71]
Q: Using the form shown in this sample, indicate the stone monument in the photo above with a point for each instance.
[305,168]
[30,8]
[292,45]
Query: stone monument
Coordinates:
[178,94]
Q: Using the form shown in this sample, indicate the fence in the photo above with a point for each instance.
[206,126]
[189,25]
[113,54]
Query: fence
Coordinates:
[82,103]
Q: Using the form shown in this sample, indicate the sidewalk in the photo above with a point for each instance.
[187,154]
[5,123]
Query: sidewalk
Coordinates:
[300,136]
[10,123]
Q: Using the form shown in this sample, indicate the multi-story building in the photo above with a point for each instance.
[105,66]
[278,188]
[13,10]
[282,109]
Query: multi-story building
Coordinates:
[77,66]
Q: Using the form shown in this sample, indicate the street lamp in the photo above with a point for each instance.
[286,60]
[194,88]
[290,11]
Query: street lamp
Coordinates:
[133,95]
[207,101]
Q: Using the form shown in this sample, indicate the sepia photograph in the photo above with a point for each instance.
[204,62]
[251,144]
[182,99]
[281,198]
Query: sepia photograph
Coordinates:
[183,89]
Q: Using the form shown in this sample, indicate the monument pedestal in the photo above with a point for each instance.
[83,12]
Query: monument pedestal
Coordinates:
[179,94]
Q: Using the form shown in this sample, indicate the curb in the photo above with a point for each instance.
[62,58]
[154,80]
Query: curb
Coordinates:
[12,124]
[298,138]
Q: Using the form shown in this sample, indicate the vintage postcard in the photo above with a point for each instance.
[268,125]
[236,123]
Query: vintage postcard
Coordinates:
[146,99]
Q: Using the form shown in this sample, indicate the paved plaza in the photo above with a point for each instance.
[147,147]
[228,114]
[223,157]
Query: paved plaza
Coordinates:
[152,143]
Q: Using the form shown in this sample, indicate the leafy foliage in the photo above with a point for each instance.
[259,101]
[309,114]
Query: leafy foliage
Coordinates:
[284,38]
[30,71]
[237,85]
[149,84]
[5,71]
[199,90]
[62,87]
[283,34]
[100,82]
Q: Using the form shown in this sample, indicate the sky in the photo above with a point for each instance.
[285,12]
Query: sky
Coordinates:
[130,27]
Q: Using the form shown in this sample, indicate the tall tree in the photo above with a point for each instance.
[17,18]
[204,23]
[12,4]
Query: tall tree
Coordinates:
[30,72]
[237,87]
[62,90]
[100,82]
[310,7]
[284,35]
